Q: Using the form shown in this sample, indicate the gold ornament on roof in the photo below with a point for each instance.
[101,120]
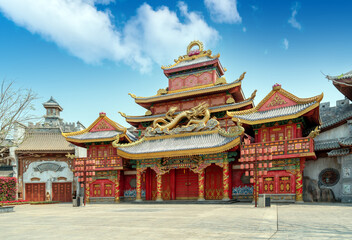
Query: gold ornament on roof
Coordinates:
[162,91]
[220,81]
[196,115]
[315,132]
[193,54]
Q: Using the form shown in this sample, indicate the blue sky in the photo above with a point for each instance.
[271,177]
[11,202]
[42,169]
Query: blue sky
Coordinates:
[89,54]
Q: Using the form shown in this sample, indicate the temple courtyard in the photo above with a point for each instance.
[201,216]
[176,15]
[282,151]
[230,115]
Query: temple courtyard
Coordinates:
[178,221]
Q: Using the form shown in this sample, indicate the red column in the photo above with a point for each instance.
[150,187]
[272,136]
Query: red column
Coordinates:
[173,184]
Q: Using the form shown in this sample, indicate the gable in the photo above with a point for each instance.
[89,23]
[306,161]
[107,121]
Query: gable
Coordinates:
[277,100]
[102,125]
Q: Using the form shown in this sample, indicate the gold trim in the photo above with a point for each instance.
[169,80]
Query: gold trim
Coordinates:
[152,118]
[191,88]
[101,117]
[275,119]
[177,153]
[186,57]
[157,98]
[284,93]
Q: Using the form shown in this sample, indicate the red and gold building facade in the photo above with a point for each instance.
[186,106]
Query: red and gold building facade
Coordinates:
[103,174]
[188,164]
[280,122]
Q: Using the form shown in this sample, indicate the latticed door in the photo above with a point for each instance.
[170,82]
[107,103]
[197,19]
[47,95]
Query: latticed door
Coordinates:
[96,190]
[108,190]
[269,185]
[285,184]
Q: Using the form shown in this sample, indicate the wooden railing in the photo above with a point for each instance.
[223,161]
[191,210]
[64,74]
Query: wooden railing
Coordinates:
[101,162]
[298,147]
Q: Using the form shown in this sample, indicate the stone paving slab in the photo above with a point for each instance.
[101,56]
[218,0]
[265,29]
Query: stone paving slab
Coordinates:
[131,221]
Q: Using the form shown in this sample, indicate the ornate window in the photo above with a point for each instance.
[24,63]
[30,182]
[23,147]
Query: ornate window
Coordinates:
[329,177]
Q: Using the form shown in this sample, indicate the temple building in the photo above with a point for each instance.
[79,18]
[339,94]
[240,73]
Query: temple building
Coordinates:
[45,158]
[198,140]
[280,122]
[112,176]
[343,83]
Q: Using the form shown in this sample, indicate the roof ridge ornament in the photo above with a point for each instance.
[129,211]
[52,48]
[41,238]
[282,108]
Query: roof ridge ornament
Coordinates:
[193,54]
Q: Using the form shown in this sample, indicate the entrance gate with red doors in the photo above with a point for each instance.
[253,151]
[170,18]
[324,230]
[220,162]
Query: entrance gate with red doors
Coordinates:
[213,183]
[186,184]
[102,188]
[62,192]
[35,192]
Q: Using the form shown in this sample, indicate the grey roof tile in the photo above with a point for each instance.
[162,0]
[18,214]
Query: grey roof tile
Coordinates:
[346,142]
[342,76]
[326,145]
[191,62]
[339,152]
[95,135]
[279,112]
[178,143]
[210,108]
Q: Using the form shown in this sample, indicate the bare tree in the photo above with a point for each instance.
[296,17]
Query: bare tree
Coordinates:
[15,107]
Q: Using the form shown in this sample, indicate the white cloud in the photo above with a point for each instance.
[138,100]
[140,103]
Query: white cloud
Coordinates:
[223,11]
[285,43]
[151,36]
[244,29]
[292,20]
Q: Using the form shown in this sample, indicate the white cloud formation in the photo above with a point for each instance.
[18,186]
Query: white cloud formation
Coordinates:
[223,11]
[285,43]
[151,36]
[292,20]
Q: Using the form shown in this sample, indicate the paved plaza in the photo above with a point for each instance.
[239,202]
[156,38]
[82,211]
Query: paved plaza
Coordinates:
[177,221]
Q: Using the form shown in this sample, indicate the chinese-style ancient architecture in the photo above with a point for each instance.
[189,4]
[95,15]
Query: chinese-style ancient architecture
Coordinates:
[108,175]
[189,144]
[44,168]
[189,140]
[279,121]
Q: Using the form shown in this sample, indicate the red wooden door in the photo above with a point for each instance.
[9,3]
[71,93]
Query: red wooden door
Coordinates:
[62,192]
[108,190]
[186,184]
[96,190]
[285,184]
[269,185]
[165,187]
[213,183]
[35,192]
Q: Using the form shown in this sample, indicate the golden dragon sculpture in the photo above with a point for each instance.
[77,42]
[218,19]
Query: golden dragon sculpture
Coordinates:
[198,114]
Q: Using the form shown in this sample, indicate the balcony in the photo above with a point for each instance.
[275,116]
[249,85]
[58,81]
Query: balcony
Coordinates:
[293,148]
[100,163]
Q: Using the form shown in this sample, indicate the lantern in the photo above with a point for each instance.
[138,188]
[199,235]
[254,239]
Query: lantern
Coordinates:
[260,165]
[251,165]
[246,151]
[87,185]
[265,165]
[252,159]
[247,159]
[260,158]
[93,173]
[259,150]
[76,174]
[265,172]
[270,150]
[265,150]
[246,173]
[260,173]
[242,152]
[242,166]
[90,179]
[260,180]
[265,157]
[252,173]
[251,180]
[270,157]
[247,166]
[270,165]
[82,185]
